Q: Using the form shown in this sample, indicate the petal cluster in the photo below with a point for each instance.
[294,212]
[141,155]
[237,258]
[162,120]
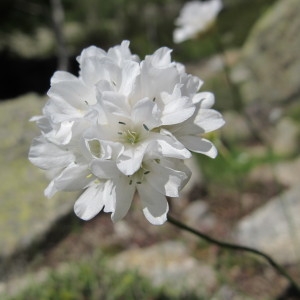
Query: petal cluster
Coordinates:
[123,126]
[194,18]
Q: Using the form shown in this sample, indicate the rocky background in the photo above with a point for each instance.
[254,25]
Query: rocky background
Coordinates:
[249,195]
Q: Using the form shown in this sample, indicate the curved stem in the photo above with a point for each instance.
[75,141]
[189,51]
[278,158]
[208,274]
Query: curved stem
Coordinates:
[280,270]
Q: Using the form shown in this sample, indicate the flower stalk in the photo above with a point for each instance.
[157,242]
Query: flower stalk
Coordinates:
[278,268]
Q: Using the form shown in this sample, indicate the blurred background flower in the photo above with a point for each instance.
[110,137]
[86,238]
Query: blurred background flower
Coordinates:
[195,17]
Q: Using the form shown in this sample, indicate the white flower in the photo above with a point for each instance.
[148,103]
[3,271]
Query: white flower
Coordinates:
[203,121]
[67,164]
[157,178]
[122,126]
[195,17]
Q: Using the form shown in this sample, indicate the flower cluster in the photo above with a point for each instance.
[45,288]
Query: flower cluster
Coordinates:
[195,17]
[122,126]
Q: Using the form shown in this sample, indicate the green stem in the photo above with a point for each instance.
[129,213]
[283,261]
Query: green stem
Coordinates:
[280,270]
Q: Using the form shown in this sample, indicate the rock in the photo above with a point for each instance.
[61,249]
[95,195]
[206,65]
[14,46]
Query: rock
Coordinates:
[263,173]
[236,127]
[287,173]
[168,264]
[271,57]
[227,293]
[274,228]
[285,137]
[197,215]
[123,231]
[25,215]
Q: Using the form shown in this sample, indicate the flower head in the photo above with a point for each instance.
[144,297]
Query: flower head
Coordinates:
[123,126]
[195,17]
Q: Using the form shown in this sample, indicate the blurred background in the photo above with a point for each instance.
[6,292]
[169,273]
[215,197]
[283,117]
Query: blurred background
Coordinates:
[33,32]
[249,194]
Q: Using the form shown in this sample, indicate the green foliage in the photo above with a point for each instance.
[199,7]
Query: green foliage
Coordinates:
[294,111]
[232,165]
[90,280]
[93,280]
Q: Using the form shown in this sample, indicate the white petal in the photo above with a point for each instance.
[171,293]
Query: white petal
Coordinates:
[146,112]
[90,52]
[104,86]
[180,114]
[123,198]
[73,92]
[176,108]
[121,53]
[105,169]
[48,156]
[94,69]
[73,177]
[130,160]
[91,202]
[50,190]
[199,145]
[160,58]
[158,74]
[171,147]
[130,71]
[166,180]
[62,76]
[205,99]
[115,103]
[209,120]
[43,123]
[191,84]
[155,205]
[59,111]
[63,135]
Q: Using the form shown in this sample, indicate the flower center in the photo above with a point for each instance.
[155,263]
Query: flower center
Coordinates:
[130,135]
[138,177]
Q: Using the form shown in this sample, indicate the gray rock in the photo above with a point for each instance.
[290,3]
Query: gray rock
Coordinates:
[227,293]
[25,213]
[287,173]
[198,216]
[285,137]
[263,173]
[274,228]
[271,57]
[169,265]
[236,128]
